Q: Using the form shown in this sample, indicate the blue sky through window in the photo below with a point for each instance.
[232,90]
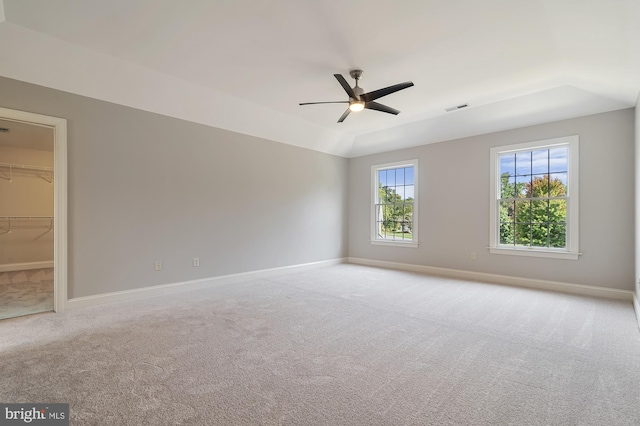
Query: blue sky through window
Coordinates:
[401,180]
[537,162]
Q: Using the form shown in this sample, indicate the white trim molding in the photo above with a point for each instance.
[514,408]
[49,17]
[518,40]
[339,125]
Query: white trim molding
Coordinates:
[636,307]
[585,290]
[534,252]
[59,127]
[172,288]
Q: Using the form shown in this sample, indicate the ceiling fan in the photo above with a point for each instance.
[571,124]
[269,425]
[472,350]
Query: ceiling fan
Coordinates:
[358,100]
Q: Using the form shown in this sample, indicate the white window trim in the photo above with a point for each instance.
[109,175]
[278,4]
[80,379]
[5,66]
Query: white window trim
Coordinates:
[571,252]
[374,197]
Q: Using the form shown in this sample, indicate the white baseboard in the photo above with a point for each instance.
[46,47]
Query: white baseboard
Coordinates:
[26,266]
[636,307]
[158,290]
[584,290]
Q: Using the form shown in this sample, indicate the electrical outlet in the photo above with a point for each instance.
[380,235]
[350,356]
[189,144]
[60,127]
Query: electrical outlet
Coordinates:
[473,255]
[158,265]
[196,261]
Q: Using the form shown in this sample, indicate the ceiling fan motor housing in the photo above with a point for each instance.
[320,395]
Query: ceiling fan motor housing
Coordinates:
[357,90]
[356,74]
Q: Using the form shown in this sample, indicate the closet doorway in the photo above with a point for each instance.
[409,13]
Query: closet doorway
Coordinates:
[32,213]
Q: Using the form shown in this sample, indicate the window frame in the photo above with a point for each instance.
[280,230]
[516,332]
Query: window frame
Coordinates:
[374,240]
[571,251]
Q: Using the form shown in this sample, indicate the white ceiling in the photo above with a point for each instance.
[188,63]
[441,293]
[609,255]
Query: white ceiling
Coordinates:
[244,65]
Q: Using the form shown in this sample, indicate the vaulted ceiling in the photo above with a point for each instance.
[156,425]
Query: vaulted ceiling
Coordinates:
[244,65]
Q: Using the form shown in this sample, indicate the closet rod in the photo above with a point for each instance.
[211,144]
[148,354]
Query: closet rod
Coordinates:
[24,217]
[26,166]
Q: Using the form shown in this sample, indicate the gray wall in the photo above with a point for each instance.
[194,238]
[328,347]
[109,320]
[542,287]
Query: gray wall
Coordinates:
[454,204]
[145,187]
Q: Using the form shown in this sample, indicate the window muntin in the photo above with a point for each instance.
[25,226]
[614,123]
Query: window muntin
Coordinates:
[394,218]
[534,198]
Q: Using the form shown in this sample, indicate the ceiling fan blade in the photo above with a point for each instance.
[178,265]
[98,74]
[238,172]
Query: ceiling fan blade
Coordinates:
[379,107]
[345,85]
[343,116]
[330,102]
[372,96]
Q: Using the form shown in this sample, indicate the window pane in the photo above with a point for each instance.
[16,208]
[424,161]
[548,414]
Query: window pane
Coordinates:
[558,159]
[400,192]
[391,177]
[408,218]
[386,195]
[540,186]
[557,210]
[507,186]
[539,235]
[539,211]
[382,177]
[522,186]
[558,184]
[393,195]
[523,163]
[405,224]
[557,235]
[506,233]
[508,164]
[408,176]
[400,176]
[540,161]
[523,211]
[522,234]
[409,192]
[382,195]
[507,211]
[391,218]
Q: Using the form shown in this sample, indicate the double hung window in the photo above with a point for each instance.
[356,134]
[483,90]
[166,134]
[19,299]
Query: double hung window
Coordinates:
[534,199]
[394,212]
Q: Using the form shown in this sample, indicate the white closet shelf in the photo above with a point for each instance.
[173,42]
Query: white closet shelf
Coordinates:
[9,222]
[36,169]
[27,167]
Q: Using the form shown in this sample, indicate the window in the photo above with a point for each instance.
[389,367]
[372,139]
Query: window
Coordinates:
[534,199]
[394,218]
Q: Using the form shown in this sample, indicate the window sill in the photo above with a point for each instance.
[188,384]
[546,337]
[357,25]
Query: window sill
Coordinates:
[550,254]
[409,244]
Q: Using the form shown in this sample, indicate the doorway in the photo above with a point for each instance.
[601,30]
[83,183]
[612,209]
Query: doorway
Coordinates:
[33,272]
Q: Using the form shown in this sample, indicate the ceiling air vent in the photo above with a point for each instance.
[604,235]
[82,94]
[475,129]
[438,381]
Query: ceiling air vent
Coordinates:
[4,130]
[454,108]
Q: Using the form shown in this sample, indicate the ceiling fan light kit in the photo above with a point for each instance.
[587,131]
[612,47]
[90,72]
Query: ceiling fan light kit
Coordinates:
[359,100]
[356,106]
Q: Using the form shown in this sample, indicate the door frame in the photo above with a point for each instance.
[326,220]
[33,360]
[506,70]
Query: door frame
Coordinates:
[59,127]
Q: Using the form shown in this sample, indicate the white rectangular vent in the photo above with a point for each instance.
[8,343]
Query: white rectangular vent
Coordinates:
[456,107]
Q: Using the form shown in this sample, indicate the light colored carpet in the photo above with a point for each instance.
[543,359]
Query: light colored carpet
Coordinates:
[26,292]
[342,345]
